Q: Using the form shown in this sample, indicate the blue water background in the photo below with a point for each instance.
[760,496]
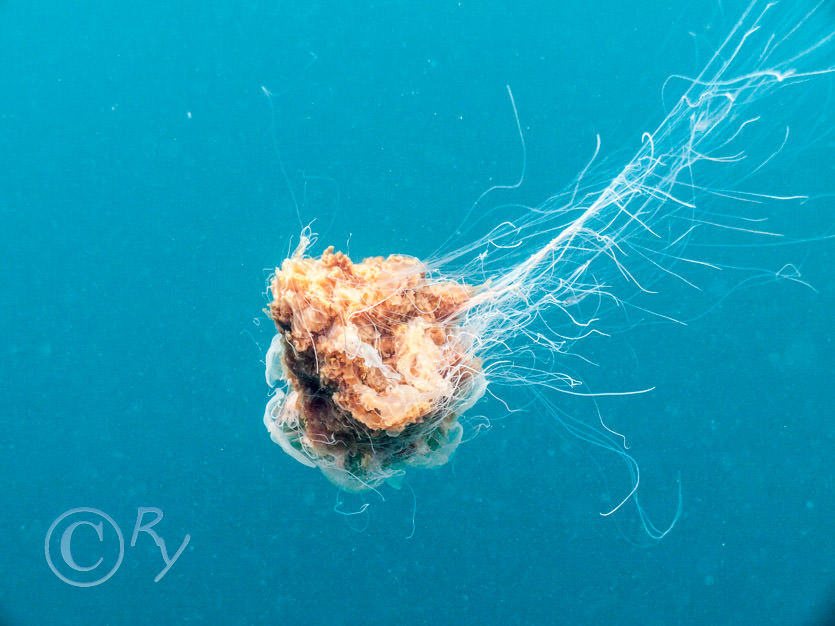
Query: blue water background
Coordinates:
[142,205]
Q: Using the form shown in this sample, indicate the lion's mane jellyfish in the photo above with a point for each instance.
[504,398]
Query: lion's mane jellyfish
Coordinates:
[381,359]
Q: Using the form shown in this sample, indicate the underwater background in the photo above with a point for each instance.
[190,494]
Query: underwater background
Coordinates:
[143,206]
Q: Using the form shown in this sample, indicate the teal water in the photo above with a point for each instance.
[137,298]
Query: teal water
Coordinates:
[143,205]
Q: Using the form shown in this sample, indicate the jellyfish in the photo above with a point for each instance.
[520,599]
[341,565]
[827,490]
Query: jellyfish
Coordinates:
[376,363]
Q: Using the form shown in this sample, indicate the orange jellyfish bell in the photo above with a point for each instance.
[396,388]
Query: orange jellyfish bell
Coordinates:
[378,366]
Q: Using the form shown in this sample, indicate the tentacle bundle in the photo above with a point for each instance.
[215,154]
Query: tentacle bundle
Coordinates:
[378,366]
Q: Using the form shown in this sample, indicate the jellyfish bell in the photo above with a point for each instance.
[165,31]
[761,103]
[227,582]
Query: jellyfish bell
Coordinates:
[379,364]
